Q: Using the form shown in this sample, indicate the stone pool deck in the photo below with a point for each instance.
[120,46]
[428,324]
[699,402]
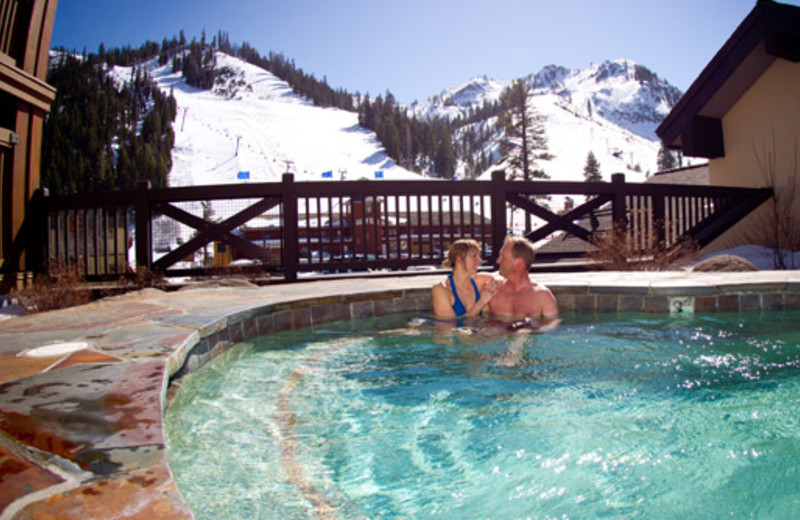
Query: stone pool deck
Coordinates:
[83,390]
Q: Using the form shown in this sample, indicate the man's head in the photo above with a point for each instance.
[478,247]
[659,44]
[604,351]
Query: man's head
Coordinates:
[517,253]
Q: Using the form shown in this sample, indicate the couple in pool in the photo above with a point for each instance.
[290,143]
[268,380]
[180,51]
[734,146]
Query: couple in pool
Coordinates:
[508,295]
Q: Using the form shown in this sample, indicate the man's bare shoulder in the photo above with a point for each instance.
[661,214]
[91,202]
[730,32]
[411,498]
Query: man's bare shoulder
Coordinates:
[540,288]
[533,300]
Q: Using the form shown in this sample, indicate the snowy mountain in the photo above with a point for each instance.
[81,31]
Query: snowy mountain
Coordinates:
[611,109]
[620,91]
[457,101]
[251,127]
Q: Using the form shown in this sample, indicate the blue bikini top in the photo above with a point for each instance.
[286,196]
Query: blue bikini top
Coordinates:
[458,306]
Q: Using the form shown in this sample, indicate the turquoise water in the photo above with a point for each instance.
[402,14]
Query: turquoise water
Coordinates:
[619,416]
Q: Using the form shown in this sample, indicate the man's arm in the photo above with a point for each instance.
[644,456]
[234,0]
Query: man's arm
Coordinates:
[549,305]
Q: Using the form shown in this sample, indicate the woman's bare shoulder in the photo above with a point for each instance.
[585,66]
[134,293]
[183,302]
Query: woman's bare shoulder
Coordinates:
[441,285]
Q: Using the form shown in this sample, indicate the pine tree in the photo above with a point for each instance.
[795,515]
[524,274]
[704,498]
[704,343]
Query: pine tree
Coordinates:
[524,139]
[444,161]
[523,133]
[591,171]
[666,159]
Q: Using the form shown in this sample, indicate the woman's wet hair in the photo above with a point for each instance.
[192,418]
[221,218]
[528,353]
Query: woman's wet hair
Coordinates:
[460,249]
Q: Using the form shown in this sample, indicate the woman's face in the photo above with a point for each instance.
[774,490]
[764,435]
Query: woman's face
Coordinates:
[472,261]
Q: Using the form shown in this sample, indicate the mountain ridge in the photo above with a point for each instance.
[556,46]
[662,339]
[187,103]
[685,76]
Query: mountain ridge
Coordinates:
[625,92]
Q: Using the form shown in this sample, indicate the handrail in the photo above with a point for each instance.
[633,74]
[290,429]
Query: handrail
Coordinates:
[290,227]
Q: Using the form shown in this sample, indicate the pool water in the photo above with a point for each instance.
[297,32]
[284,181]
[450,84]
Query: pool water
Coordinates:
[617,416]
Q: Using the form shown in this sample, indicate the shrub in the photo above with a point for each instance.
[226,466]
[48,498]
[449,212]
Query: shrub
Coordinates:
[615,250]
[59,288]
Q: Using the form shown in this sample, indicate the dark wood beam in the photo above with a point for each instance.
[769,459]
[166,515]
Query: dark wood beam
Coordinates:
[783,45]
[704,138]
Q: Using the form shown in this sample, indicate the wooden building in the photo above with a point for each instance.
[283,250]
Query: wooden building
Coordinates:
[743,114]
[25,30]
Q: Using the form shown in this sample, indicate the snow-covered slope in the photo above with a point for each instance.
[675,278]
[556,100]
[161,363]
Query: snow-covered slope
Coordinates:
[255,123]
[571,136]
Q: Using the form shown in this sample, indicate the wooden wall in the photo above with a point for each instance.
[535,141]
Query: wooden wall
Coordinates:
[26,27]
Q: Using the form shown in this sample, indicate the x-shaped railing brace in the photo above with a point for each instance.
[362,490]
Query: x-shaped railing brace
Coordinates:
[210,231]
[556,222]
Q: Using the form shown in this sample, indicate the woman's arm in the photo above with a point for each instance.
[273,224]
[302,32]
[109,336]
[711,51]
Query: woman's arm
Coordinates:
[488,286]
[441,301]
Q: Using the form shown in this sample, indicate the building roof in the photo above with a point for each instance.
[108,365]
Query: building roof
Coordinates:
[769,32]
[694,175]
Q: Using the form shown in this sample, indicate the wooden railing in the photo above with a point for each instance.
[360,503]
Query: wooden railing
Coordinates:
[292,227]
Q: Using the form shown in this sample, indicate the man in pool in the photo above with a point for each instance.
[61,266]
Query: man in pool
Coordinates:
[519,297]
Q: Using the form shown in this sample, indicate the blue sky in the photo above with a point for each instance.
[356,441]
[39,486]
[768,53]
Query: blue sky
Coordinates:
[416,48]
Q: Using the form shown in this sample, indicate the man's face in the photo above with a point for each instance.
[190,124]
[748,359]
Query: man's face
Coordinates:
[505,260]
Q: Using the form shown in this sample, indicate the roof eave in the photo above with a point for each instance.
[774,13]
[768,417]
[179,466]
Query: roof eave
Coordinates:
[770,30]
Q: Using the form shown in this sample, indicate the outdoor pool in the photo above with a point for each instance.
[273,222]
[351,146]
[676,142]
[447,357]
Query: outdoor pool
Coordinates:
[619,415]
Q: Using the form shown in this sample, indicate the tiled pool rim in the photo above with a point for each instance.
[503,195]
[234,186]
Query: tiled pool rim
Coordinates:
[654,296]
[142,341]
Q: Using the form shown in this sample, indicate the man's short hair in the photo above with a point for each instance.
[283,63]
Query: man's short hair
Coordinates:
[521,247]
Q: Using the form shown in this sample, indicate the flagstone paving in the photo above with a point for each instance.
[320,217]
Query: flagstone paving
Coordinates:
[83,390]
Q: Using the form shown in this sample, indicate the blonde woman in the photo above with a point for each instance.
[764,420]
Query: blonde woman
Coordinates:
[464,292]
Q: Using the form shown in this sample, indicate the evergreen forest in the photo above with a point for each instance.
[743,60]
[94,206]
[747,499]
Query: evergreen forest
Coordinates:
[100,137]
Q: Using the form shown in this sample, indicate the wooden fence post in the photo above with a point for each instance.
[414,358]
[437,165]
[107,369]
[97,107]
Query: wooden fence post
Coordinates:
[659,221]
[290,234]
[618,208]
[499,225]
[144,238]
[37,248]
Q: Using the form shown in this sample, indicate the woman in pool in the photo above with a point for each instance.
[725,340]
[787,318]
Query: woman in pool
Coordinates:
[464,292]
